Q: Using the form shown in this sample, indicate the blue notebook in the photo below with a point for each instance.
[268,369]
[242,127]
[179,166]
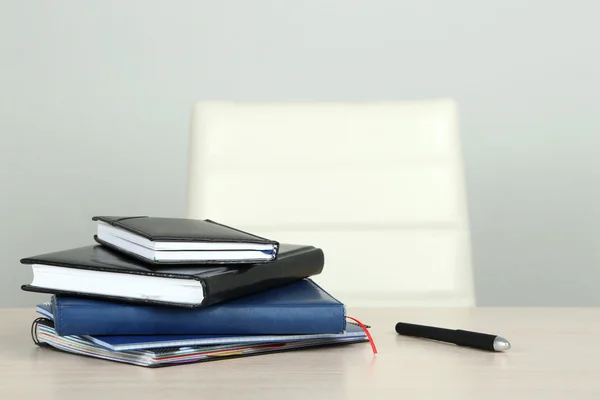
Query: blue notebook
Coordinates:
[140,342]
[300,308]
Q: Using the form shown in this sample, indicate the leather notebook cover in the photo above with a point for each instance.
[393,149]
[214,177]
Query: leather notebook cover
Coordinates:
[139,342]
[159,229]
[182,230]
[219,282]
[300,308]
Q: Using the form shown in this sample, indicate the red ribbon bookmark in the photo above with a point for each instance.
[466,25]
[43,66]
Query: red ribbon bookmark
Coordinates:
[364,328]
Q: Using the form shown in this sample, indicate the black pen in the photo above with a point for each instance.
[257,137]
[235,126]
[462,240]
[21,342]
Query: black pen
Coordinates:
[482,341]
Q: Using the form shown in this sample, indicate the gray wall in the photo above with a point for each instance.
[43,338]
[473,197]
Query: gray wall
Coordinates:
[95,99]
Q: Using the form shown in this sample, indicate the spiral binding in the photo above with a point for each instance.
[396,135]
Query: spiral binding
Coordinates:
[34,325]
[50,323]
[355,324]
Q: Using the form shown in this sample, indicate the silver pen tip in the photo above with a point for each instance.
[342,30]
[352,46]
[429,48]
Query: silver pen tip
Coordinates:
[501,344]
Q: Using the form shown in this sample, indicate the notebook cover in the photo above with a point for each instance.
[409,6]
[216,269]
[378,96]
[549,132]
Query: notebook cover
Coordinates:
[182,230]
[43,335]
[220,282]
[179,262]
[301,307]
[138,342]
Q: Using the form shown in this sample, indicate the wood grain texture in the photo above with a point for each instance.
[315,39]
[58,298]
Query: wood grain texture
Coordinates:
[555,355]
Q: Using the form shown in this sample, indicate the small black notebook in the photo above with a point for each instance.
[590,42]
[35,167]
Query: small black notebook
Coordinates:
[100,272]
[160,240]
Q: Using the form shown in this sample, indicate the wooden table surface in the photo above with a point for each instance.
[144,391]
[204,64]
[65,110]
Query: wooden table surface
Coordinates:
[555,355]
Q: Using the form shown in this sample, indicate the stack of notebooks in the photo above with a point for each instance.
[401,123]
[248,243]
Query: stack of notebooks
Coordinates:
[156,292]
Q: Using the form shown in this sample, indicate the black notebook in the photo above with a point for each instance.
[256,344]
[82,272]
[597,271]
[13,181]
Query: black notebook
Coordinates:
[100,272]
[179,240]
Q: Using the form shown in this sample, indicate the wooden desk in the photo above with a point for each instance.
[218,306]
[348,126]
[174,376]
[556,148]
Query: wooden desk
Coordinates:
[555,355]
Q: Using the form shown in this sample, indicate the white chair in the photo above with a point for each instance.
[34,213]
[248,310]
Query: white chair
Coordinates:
[378,186]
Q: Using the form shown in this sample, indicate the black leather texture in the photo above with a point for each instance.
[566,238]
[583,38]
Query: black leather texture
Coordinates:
[220,282]
[182,229]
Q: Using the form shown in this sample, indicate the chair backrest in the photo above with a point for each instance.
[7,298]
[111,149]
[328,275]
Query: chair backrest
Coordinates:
[378,186]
